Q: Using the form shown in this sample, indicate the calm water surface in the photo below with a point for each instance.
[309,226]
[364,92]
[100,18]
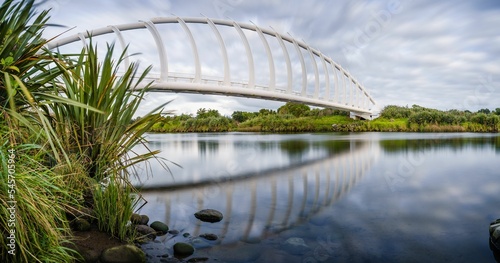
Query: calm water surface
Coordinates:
[364,197]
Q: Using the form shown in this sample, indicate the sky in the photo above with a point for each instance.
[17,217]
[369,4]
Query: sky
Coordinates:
[437,54]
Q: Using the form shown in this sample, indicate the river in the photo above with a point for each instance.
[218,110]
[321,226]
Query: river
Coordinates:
[326,197]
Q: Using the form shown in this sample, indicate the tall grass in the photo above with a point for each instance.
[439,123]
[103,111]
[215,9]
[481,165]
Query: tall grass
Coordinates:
[41,194]
[41,229]
[113,206]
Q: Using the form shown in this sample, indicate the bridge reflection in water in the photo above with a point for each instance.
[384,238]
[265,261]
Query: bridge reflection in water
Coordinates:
[258,206]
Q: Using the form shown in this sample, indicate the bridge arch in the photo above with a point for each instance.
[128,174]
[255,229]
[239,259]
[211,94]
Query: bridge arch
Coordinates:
[340,89]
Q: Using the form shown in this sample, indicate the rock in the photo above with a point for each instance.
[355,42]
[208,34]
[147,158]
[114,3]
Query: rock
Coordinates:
[493,227]
[135,219]
[160,227]
[170,260]
[123,254]
[80,224]
[193,260]
[173,232]
[209,236]
[494,246]
[146,231]
[186,235]
[495,236]
[295,246]
[209,215]
[200,243]
[144,219]
[183,249]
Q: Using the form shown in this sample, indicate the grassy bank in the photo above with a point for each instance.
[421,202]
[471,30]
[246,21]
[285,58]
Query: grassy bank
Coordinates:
[293,117]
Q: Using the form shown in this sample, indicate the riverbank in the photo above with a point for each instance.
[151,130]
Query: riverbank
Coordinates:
[293,117]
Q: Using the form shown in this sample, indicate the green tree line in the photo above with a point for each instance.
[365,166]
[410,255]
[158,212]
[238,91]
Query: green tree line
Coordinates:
[297,117]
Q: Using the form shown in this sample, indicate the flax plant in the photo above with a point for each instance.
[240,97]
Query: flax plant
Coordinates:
[103,141]
[26,75]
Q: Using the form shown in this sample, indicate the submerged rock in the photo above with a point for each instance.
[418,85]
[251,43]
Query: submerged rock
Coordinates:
[183,249]
[123,254]
[209,215]
[209,236]
[295,246]
[161,228]
[203,259]
[173,232]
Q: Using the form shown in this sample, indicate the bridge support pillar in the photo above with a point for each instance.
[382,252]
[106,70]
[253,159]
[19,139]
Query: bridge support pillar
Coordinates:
[362,116]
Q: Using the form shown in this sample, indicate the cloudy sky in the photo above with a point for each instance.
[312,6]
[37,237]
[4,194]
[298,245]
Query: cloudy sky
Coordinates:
[439,54]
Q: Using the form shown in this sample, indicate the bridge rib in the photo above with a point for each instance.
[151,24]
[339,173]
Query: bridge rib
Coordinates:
[302,65]
[197,73]
[327,77]
[288,63]
[227,76]
[251,69]
[316,73]
[119,35]
[270,60]
[336,78]
[161,49]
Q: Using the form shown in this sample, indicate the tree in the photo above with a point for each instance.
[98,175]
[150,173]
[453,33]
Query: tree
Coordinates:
[296,109]
[264,112]
[241,116]
[485,111]
[204,113]
[479,118]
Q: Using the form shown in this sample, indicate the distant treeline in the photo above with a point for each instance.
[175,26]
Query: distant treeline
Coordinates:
[421,119]
[296,117]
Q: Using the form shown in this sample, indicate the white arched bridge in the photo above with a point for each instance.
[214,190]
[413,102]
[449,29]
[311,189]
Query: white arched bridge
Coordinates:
[323,82]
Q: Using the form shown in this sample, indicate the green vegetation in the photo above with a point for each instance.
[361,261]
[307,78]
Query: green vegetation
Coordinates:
[295,117]
[420,119]
[61,154]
